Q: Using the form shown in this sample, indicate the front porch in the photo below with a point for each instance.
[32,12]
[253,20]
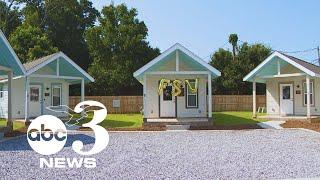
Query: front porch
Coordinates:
[291,87]
[176,120]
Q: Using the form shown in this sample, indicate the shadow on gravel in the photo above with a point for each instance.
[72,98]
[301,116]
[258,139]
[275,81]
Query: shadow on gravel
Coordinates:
[21,143]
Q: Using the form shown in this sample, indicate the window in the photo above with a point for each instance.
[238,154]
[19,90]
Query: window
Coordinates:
[56,95]
[305,94]
[1,91]
[191,98]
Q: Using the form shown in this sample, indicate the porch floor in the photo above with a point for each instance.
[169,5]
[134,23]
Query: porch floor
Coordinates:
[285,118]
[176,120]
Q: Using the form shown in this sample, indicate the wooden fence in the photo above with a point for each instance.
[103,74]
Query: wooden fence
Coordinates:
[133,104]
[236,102]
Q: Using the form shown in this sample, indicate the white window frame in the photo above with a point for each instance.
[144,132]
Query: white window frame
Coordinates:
[311,93]
[191,94]
[1,91]
[53,86]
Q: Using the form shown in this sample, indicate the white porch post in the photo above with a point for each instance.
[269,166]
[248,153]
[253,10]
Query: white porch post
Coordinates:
[82,90]
[10,123]
[254,99]
[144,97]
[82,93]
[209,97]
[26,105]
[308,96]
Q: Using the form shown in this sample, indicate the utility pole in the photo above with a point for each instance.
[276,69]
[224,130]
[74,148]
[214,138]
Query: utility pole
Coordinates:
[318,49]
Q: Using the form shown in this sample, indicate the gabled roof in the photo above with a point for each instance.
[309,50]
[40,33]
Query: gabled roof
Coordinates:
[35,65]
[29,65]
[302,65]
[173,48]
[311,67]
[8,57]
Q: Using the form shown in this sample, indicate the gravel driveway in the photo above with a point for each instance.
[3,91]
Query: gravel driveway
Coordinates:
[189,154]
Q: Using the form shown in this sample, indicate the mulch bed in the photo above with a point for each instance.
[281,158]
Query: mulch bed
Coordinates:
[219,127]
[17,132]
[302,124]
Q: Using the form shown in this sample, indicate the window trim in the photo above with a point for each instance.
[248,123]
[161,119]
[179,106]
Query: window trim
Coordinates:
[1,91]
[187,95]
[313,94]
[52,87]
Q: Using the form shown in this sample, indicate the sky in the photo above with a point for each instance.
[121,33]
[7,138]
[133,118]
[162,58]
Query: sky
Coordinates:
[204,26]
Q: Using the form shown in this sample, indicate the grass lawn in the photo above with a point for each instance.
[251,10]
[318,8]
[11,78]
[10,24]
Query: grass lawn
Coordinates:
[16,125]
[119,120]
[235,118]
[135,120]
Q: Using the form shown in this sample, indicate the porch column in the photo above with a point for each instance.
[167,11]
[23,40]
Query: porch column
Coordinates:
[144,97]
[254,99]
[82,93]
[82,90]
[209,97]
[9,122]
[26,105]
[308,96]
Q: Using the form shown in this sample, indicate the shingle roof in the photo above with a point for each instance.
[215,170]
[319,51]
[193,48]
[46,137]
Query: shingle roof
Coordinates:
[311,67]
[34,63]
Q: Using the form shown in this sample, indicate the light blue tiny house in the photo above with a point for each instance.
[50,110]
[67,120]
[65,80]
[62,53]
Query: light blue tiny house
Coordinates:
[37,84]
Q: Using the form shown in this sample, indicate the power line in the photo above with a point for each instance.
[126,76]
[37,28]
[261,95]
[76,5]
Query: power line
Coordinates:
[301,51]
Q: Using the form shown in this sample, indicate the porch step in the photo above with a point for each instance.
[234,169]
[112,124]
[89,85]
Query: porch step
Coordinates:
[178,127]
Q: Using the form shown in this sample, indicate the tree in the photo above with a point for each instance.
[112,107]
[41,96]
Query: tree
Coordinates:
[65,24]
[233,40]
[234,68]
[31,43]
[10,17]
[118,46]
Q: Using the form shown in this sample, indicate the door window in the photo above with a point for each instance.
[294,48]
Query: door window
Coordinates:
[167,93]
[34,94]
[286,93]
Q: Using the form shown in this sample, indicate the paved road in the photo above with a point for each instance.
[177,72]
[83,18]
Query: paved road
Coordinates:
[190,155]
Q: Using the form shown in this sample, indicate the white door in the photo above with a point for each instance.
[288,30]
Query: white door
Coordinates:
[167,103]
[286,99]
[35,100]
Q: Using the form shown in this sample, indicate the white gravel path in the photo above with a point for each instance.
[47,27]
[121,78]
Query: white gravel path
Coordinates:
[252,154]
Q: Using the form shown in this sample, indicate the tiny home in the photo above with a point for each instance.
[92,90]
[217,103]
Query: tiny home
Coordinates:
[42,83]
[177,84]
[292,86]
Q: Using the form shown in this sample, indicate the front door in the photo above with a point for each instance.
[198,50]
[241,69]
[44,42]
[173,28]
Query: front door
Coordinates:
[167,103]
[286,99]
[35,100]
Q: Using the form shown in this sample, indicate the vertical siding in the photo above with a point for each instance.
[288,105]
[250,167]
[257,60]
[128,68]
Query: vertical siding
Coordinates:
[18,97]
[273,95]
[152,97]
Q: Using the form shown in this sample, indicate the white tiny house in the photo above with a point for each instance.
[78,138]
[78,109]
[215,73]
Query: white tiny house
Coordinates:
[177,84]
[292,86]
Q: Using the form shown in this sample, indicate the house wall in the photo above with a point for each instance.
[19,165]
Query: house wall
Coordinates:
[273,99]
[18,97]
[151,109]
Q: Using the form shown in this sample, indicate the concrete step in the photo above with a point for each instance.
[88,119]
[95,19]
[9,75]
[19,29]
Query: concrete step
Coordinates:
[177,127]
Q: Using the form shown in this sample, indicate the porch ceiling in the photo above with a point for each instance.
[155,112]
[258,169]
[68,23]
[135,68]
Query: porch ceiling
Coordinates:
[8,58]
[280,65]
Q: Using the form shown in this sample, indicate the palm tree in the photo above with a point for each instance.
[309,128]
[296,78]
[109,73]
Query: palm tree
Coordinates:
[233,40]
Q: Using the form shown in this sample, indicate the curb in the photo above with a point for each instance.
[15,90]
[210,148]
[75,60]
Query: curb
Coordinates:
[271,124]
